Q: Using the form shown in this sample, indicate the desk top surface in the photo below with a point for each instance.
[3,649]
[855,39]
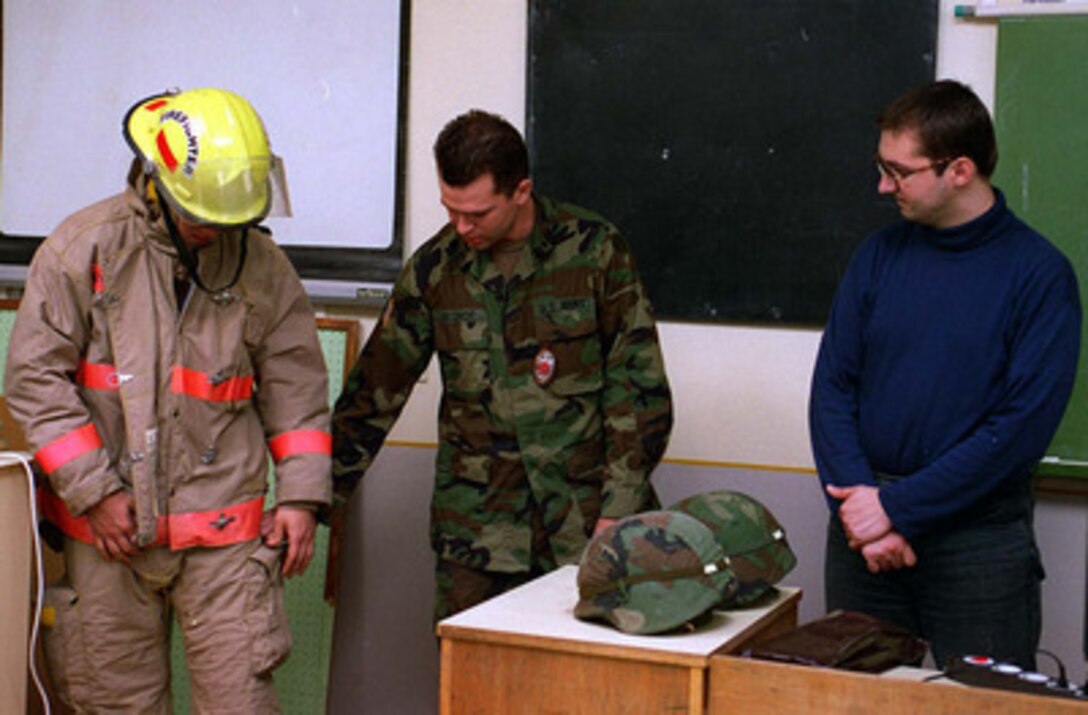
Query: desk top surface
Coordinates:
[14,463]
[544,609]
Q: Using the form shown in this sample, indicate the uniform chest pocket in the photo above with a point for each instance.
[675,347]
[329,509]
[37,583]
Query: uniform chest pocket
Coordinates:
[569,338]
[461,338]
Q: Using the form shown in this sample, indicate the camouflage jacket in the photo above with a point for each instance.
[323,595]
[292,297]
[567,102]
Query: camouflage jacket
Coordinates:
[554,388]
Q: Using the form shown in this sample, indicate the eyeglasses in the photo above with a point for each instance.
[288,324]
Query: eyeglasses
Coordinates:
[900,174]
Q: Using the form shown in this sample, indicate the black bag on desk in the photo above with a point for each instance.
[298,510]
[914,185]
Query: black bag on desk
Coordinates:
[846,640]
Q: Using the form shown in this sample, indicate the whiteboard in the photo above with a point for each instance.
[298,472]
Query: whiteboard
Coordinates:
[324,76]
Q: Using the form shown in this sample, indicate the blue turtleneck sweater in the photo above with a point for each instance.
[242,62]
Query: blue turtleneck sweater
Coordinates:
[945,367]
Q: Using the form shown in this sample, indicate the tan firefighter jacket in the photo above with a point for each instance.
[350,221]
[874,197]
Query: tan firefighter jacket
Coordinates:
[118,386]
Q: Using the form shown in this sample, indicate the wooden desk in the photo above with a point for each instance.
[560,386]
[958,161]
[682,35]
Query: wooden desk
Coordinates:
[15,570]
[744,685]
[525,652]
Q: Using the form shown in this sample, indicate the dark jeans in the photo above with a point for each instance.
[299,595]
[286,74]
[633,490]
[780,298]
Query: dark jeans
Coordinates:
[975,590]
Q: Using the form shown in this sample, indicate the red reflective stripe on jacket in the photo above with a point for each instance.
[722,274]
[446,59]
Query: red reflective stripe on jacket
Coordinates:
[215,527]
[64,449]
[55,510]
[197,384]
[300,442]
[97,376]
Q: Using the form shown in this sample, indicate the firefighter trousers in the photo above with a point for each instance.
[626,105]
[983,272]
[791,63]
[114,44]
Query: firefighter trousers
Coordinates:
[109,647]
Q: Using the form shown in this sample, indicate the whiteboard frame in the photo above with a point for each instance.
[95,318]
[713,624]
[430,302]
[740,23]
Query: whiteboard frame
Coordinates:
[323,264]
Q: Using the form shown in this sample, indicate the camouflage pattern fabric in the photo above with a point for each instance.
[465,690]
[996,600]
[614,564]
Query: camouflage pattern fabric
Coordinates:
[751,537]
[554,390]
[652,572]
[458,588]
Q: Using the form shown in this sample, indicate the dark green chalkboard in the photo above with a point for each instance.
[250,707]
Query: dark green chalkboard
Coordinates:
[1041,113]
[730,141]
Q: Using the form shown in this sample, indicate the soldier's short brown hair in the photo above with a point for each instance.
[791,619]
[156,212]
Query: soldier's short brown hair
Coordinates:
[478,143]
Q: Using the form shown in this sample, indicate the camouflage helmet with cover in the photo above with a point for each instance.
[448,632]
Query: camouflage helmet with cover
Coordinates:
[652,572]
[751,537]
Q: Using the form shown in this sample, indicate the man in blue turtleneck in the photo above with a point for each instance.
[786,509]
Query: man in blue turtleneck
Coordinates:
[944,370]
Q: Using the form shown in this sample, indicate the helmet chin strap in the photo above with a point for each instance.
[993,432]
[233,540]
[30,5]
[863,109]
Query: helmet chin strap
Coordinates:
[190,260]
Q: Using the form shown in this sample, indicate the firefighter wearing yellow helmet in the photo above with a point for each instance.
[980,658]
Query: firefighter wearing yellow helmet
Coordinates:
[153,409]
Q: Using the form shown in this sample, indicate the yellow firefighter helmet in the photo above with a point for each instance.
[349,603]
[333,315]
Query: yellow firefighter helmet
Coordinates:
[207,152]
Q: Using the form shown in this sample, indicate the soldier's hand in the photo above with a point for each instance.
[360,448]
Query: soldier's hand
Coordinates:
[296,525]
[113,523]
[602,524]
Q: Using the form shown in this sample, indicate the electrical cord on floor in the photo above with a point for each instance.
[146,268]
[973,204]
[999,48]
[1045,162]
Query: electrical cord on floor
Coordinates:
[39,575]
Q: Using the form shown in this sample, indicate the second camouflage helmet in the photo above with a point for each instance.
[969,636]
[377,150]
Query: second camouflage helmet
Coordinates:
[751,537]
[652,572]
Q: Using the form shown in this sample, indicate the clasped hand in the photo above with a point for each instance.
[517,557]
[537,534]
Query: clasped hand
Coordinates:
[870,531]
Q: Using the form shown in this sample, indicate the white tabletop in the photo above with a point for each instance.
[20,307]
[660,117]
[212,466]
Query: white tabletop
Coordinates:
[544,608]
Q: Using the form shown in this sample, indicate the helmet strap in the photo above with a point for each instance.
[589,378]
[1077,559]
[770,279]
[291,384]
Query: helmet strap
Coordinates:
[191,261]
[622,584]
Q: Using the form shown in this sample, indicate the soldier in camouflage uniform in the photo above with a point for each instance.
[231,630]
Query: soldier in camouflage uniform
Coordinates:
[555,405]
